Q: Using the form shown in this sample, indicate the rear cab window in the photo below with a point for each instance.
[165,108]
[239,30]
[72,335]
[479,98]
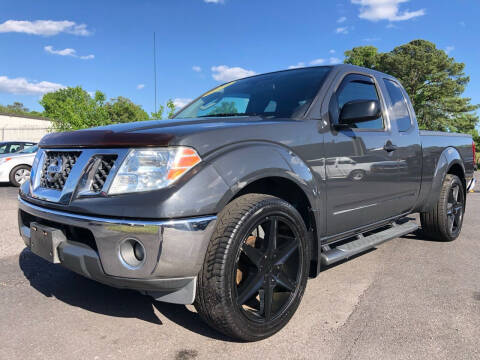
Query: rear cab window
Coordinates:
[398,108]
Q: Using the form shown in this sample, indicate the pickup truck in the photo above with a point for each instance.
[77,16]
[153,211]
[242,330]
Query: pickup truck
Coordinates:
[236,201]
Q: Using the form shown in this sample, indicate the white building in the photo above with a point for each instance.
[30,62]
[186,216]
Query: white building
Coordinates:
[23,127]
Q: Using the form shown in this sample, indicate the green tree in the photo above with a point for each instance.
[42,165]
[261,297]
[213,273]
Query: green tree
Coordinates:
[159,114]
[366,56]
[171,108]
[433,80]
[18,108]
[122,110]
[73,108]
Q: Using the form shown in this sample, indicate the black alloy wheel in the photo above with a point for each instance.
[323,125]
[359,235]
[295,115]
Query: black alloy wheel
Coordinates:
[255,269]
[443,222]
[455,207]
[268,269]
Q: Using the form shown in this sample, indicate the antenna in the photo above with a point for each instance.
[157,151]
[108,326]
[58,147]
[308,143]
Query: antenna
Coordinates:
[155,70]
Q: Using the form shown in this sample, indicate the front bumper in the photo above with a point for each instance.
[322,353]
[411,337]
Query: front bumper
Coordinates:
[174,249]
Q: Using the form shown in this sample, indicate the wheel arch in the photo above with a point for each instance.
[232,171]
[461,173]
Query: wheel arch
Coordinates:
[449,162]
[11,174]
[287,177]
[286,189]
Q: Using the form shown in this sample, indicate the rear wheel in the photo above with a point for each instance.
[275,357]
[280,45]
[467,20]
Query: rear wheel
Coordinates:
[444,221]
[19,175]
[256,268]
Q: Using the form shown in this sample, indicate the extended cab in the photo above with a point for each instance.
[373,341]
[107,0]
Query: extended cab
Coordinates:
[252,188]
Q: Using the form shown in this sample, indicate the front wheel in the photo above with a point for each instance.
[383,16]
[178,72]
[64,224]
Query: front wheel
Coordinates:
[444,221]
[255,270]
[19,175]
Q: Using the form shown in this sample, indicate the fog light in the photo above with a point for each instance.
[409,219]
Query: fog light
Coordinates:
[132,253]
[138,251]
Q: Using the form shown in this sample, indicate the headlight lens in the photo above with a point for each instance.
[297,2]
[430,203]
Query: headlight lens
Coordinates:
[152,169]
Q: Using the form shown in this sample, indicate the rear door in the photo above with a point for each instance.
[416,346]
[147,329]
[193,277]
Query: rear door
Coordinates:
[406,139]
[367,192]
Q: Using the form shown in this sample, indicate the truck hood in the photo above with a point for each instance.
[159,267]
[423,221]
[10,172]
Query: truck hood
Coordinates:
[143,133]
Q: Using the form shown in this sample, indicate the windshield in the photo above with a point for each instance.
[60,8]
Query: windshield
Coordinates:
[29,150]
[281,94]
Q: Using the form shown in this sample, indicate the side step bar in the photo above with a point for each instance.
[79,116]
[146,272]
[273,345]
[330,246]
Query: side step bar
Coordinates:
[330,256]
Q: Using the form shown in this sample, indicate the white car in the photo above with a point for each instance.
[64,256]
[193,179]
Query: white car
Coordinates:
[15,168]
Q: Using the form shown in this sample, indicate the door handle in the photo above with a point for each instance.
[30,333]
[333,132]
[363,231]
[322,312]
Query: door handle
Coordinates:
[389,147]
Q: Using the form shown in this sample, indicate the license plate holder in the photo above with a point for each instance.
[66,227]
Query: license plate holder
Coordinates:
[44,241]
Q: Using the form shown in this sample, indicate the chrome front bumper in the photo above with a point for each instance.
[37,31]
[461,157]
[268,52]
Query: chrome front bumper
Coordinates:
[174,249]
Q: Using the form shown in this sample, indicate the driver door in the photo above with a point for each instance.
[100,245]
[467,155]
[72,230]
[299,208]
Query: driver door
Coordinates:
[361,195]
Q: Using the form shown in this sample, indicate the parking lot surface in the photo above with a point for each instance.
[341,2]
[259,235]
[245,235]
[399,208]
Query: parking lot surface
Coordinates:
[408,299]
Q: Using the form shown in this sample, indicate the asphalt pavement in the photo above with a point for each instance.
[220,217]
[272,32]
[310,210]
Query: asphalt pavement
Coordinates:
[407,299]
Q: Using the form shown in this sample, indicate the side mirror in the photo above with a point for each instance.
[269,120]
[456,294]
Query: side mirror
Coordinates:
[359,111]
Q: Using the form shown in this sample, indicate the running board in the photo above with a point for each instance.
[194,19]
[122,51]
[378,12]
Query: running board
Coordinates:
[330,255]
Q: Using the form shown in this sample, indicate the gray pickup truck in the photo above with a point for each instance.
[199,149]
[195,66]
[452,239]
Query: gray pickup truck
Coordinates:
[252,188]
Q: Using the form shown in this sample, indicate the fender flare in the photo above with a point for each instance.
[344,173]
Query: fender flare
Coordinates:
[449,157]
[254,161]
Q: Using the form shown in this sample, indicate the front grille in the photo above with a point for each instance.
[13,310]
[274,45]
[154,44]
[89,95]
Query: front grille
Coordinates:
[57,167]
[101,173]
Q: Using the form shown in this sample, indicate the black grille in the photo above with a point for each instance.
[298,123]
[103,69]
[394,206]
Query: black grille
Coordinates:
[62,163]
[101,173]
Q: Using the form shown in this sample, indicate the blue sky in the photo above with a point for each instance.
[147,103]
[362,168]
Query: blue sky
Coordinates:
[107,45]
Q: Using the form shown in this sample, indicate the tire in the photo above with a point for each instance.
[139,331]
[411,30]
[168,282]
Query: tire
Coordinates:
[241,263]
[19,175]
[357,175]
[444,221]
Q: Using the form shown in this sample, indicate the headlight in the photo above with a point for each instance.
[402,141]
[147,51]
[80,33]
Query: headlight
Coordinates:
[152,169]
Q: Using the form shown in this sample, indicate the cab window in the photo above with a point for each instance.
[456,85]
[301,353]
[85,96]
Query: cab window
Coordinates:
[359,87]
[15,147]
[398,109]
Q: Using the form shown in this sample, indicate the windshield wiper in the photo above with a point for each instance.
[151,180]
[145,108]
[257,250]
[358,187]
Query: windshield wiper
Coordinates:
[230,114]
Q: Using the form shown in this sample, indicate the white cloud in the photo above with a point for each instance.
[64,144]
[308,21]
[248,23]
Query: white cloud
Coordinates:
[317,62]
[181,102]
[341,19]
[225,73]
[463,24]
[449,49]
[140,86]
[342,30]
[196,68]
[22,86]
[44,27]
[214,1]
[375,10]
[64,52]
[334,60]
[67,52]
[332,51]
[314,62]
[298,65]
